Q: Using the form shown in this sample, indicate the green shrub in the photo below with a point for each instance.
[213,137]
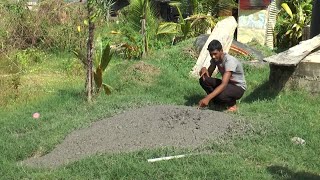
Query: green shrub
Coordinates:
[27,58]
[294,16]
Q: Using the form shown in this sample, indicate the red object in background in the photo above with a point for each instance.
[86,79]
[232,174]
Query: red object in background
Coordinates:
[254,4]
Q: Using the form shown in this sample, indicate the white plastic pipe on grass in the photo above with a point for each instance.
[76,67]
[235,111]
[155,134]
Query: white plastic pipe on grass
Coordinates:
[167,158]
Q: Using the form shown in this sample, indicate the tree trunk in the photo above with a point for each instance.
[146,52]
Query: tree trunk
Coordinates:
[143,29]
[315,21]
[143,33]
[89,79]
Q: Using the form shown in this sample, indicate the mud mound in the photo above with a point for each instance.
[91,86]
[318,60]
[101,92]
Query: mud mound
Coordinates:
[144,128]
[141,73]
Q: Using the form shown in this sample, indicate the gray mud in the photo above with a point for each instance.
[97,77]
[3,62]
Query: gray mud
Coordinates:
[145,128]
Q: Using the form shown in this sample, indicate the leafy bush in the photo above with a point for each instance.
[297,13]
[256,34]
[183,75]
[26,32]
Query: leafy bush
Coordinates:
[49,25]
[128,43]
[294,16]
[28,57]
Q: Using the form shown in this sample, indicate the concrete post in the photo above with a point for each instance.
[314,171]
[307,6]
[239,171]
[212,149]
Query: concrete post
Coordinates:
[315,21]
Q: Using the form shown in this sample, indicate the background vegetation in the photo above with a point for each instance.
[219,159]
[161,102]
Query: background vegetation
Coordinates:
[293,17]
[40,73]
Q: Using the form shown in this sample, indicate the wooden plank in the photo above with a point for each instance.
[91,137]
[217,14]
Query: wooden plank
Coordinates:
[222,32]
[294,55]
[313,57]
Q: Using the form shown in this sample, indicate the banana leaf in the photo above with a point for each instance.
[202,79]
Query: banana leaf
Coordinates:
[98,78]
[98,51]
[287,9]
[106,57]
[81,56]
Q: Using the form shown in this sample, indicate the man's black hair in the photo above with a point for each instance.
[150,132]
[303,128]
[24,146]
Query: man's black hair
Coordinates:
[214,45]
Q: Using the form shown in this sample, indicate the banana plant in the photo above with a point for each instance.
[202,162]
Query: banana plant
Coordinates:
[102,58]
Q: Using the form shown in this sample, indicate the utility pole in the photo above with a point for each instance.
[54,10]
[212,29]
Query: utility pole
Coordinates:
[315,20]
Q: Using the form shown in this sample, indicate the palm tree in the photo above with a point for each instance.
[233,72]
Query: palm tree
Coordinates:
[141,17]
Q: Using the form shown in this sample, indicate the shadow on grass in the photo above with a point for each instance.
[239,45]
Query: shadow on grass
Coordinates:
[263,92]
[71,94]
[193,100]
[279,172]
[279,78]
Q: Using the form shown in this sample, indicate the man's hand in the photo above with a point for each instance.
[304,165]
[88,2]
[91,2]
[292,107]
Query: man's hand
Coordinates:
[204,102]
[204,72]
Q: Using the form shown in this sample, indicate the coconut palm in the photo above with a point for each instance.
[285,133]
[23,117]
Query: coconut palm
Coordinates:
[140,16]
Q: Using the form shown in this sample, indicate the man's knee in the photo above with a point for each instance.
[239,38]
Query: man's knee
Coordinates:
[205,81]
[223,97]
[201,81]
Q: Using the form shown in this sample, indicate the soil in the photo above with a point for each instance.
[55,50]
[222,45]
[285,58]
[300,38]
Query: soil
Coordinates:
[141,73]
[144,128]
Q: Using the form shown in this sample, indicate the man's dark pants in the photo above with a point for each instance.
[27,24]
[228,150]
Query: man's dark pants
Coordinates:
[228,96]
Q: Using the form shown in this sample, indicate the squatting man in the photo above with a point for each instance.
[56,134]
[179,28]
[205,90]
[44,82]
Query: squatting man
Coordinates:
[232,85]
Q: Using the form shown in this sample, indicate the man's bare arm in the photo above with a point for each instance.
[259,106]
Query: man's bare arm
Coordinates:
[211,68]
[208,72]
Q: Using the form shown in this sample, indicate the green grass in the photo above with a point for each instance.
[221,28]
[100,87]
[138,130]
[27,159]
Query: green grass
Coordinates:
[266,51]
[263,151]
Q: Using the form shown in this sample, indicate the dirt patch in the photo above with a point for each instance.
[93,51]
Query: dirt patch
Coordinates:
[141,73]
[144,128]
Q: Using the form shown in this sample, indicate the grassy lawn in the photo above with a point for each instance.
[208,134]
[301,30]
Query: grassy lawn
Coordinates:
[264,151]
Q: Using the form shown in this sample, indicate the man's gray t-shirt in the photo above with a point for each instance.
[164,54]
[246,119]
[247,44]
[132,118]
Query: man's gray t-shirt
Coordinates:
[230,63]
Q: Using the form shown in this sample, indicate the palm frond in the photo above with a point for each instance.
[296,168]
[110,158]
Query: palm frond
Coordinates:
[168,28]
